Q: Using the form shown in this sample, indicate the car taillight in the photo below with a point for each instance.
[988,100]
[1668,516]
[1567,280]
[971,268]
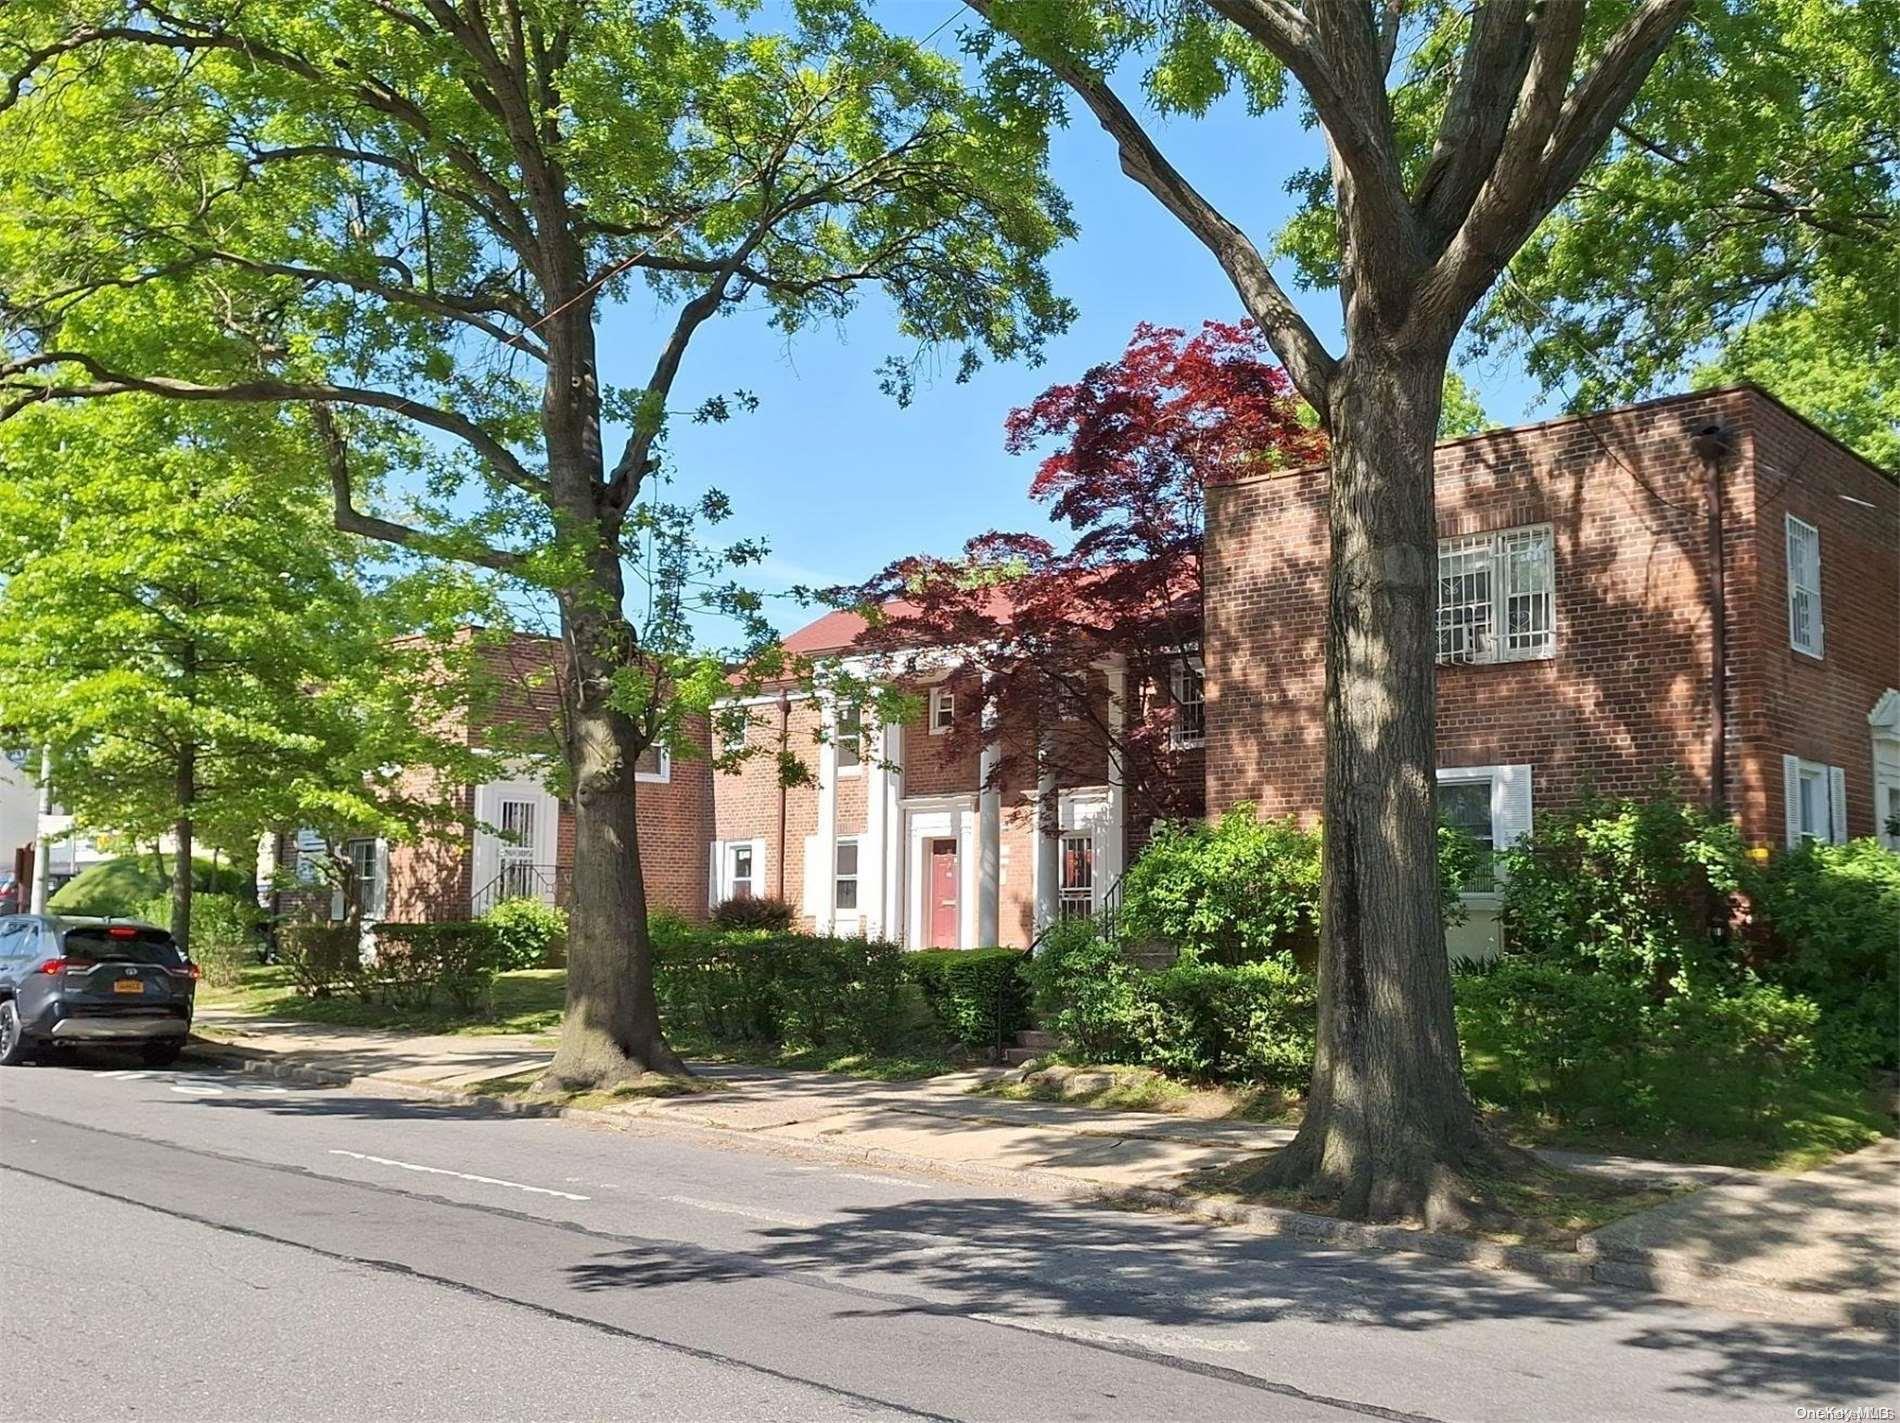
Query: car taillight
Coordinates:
[56,966]
[122,931]
[190,971]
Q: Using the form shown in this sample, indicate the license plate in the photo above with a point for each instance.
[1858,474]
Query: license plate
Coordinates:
[129,985]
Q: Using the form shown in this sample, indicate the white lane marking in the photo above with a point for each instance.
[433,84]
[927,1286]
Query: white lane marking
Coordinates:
[859,1176]
[721,1208]
[459,1175]
[195,1089]
[124,1075]
[1160,1343]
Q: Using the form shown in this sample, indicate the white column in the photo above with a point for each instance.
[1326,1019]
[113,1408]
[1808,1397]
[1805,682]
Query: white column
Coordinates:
[871,857]
[825,843]
[989,837]
[891,848]
[1108,867]
[1048,837]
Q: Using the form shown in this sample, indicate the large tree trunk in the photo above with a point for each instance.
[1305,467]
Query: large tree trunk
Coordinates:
[611,1030]
[1390,1131]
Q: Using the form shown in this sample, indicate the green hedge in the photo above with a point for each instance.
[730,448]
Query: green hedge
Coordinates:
[978,997]
[1250,1022]
[225,933]
[792,989]
[124,886]
[412,963]
[1594,1050]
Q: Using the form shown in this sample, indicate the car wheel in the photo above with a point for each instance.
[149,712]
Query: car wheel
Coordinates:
[162,1053]
[13,1050]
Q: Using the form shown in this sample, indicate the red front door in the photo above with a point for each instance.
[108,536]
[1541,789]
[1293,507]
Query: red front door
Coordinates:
[943,894]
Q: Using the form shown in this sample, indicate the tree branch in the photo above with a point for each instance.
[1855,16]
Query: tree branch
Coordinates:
[350,520]
[267,390]
[1511,203]
[1305,358]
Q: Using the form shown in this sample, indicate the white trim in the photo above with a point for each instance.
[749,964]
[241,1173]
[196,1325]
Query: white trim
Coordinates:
[1830,809]
[939,817]
[1797,530]
[661,776]
[1511,801]
[1178,671]
[941,698]
[1883,724]
[486,856]
[851,917]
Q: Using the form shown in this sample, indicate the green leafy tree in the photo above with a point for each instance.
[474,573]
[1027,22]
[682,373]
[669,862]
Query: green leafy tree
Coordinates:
[1450,132]
[197,646]
[1744,225]
[376,209]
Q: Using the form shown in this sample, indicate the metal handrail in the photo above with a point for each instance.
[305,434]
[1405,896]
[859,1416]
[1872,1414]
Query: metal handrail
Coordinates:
[1104,918]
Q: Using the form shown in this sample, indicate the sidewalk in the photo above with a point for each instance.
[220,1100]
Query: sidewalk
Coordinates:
[1822,1245]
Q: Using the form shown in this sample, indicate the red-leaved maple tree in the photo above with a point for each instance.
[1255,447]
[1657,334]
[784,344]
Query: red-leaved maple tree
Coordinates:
[1136,442]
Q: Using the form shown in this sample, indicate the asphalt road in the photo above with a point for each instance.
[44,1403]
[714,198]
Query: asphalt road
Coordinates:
[201,1244]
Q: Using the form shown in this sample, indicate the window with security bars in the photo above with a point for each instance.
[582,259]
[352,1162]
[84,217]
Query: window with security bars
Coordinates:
[1497,596]
[1804,586]
[1075,898]
[1190,704]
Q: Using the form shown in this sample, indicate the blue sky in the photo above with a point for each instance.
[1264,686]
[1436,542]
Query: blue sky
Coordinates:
[841,480]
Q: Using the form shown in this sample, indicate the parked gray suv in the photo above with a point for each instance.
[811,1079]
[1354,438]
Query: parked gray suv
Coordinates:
[68,980]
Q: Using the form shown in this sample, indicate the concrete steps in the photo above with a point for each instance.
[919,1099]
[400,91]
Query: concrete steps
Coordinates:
[1031,1043]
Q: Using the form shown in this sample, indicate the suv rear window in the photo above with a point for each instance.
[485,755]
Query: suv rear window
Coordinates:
[95,943]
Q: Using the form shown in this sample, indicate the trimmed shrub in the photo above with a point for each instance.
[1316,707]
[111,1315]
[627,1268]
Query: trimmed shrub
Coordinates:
[322,958]
[1251,1022]
[528,933]
[793,989]
[415,960]
[124,886]
[979,997]
[754,912]
[1595,1050]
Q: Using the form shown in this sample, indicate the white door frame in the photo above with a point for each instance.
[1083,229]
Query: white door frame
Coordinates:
[1884,727]
[930,818]
[487,855]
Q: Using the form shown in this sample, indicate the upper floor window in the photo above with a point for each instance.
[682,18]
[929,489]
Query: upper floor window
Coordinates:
[1497,596]
[653,764]
[1190,703]
[943,710]
[1804,587]
[850,738]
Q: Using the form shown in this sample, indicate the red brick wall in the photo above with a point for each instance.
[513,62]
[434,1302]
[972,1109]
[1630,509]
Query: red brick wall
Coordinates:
[1799,706]
[1626,698]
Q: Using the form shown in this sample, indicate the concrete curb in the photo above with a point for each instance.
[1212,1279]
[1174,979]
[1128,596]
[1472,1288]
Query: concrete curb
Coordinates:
[1661,1273]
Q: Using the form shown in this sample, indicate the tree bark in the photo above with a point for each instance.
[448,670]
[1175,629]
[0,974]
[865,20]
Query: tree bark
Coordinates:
[1390,1131]
[611,1028]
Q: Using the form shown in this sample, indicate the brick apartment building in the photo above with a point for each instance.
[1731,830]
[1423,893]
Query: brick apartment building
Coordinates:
[521,843]
[904,832]
[1582,591]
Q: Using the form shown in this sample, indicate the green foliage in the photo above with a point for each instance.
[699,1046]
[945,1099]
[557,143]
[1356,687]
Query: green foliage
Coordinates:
[129,885]
[528,933]
[224,934]
[1249,1022]
[1828,927]
[1594,1050]
[979,997]
[1084,991]
[1243,888]
[788,989]
[753,912]
[413,961]
[1228,892]
[1627,888]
